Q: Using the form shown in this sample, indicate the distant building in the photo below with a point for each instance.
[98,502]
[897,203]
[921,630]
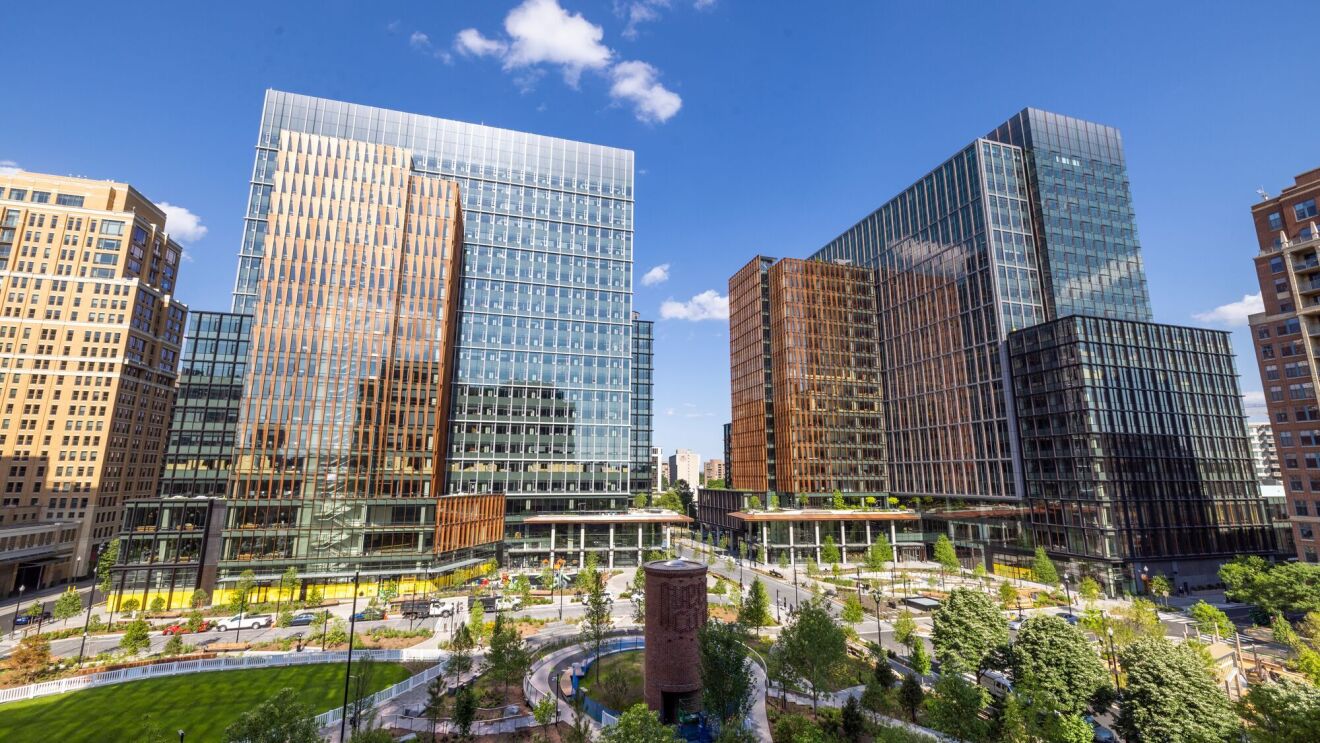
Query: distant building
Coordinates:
[728,455]
[659,469]
[1264,453]
[713,469]
[685,464]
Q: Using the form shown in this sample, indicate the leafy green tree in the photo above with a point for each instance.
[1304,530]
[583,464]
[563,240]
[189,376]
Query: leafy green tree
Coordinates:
[911,695]
[760,554]
[195,620]
[967,626]
[1283,711]
[158,604]
[1054,666]
[639,500]
[280,719]
[589,573]
[1170,696]
[920,659]
[774,502]
[460,653]
[545,712]
[1013,725]
[852,609]
[67,606]
[173,646]
[29,659]
[1067,729]
[1288,587]
[476,623]
[726,672]
[755,610]
[128,606]
[838,502]
[1211,620]
[1089,590]
[946,555]
[109,556]
[1160,588]
[1007,595]
[241,594]
[955,705]
[1043,570]
[465,710]
[199,598]
[829,551]
[905,628]
[288,584]
[783,561]
[638,724]
[137,637]
[754,503]
[638,589]
[670,501]
[811,648]
[684,491]
[508,657]
[852,722]
[596,621]
[879,554]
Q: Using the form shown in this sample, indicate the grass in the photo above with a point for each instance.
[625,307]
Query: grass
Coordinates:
[621,682]
[202,704]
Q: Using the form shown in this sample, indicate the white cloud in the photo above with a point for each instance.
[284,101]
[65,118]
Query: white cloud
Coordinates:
[636,82]
[657,275]
[638,12]
[1233,313]
[708,305]
[545,33]
[9,167]
[469,41]
[669,411]
[703,4]
[1254,403]
[182,224]
[422,43]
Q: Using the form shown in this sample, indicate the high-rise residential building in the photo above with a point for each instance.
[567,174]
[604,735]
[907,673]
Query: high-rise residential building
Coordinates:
[1287,339]
[643,340]
[713,469]
[89,350]
[1264,453]
[659,469]
[823,378]
[685,464]
[1031,224]
[728,455]
[1132,447]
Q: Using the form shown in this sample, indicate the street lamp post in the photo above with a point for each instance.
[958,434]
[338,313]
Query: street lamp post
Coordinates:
[879,641]
[91,601]
[1019,608]
[18,608]
[796,594]
[1068,592]
[778,616]
[1113,654]
[348,664]
[180,736]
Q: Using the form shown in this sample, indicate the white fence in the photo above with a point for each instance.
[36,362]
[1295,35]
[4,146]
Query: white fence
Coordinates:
[106,678]
[384,695]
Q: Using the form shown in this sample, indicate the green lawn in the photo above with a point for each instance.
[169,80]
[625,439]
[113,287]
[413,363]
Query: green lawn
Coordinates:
[621,682]
[201,704]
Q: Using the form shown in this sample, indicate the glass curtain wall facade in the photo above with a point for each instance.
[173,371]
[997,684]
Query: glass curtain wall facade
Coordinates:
[1133,448]
[752,431]
[642,410]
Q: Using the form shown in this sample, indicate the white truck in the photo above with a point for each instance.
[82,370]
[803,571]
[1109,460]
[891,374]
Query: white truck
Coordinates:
[245,621]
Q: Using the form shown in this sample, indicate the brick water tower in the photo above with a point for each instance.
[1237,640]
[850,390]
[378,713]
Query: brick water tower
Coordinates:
[675,611]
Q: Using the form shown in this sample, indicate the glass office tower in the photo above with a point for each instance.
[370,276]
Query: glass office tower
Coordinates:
[642,412]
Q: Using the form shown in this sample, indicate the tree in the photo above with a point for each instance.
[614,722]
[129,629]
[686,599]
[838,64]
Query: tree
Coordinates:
[829,551]
[1054,666]
[727,683]
[639,500]
[1282,631]
[280,719]
[911,695]
[1287,588]
[684,495]
[761,554]
[905,628]
[638,724]
[199,598]
[476,623]
[1089,590]
[920,659]
[109,556]
[638,598]
[596,621]
[955,705]
[1013,722]
[460,655]
[754,503]
[782,561]
[288,584]
[946,555]
[755,610]
[465,710]
[545,712]
[967,626]
[158,604]
[137,637]
[128,606]
[670,501]
[811,647]
[1043,570]
[67,606]
[1067,729]
[173,646]
[242,592]
[1283,711]
[774,502]
[852,721]
[589,573]
[508,657]
[852,609]
[29,659]
[1170,696]
[1007,595]
[1160,588]
[1211,620]
[435,705]
[880,553]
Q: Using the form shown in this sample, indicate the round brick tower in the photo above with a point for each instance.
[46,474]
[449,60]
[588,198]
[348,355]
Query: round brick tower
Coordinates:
[675,611]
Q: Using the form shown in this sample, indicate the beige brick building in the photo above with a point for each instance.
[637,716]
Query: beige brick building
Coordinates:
[89,347]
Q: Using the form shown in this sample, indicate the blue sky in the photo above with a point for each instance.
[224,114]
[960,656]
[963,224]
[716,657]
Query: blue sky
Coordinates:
[760,127]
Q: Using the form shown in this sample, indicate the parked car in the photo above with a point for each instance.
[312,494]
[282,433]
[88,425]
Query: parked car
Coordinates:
[25,618]
[830,591]
[369,614]
[245,621]
[1100,733]
[1068,617]
[509,603]
[1015,624]
[488,603]
[775,573]
[302,619]
[179,628]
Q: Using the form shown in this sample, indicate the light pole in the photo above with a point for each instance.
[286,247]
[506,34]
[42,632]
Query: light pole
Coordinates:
[91,601]
[1113,656]
[348,665]
[879,641]
[778,616]
[180,736]
[1068,592]
[18,608]
[796,593]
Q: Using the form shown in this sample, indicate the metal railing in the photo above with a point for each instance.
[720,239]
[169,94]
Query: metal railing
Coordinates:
[384,695]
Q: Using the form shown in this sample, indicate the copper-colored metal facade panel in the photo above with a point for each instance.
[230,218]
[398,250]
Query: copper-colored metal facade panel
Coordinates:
[89,350]
[464,521]
[751,431]
[1287,340]
[352,342]
[825,357]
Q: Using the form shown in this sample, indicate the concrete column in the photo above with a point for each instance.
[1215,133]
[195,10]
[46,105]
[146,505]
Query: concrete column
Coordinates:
[582,546]
[893,539]
[843,541]
[611,561]
[552,545]
[641,547]
[792,551]
[765,540]
[817,526]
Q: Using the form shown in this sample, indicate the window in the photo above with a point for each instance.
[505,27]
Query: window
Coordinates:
[1301,210]
[106,244]
[17,194]
[65,199]
[1300,507]
[109,227]
[1308,532]
[1276,264]
[43,197]
[1276,220]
